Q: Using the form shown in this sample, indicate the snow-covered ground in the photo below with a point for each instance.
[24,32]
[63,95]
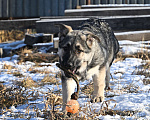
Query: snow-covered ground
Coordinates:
[129,95]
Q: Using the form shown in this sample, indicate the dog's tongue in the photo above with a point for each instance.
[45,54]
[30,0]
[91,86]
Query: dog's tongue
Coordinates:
[74,71]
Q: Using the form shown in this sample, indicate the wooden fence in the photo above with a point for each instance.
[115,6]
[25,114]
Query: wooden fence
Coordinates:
[38,8]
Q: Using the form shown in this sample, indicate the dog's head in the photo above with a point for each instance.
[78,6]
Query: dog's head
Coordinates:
[75,48]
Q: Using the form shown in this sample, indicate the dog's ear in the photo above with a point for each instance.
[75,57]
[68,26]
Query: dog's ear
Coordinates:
[63,30]
[90,39]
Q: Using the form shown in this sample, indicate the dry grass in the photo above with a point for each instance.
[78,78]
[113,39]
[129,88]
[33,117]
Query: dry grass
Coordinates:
[12,35]
[11,96]
[39,58]
[88,89]
[50,80]
[28,83]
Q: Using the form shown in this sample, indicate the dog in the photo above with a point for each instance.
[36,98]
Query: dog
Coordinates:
[88,52]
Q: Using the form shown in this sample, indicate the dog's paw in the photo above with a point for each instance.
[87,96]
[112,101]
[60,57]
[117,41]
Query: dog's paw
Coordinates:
[97,99]
[107,88]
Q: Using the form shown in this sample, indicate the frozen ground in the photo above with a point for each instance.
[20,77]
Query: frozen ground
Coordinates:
[129,95]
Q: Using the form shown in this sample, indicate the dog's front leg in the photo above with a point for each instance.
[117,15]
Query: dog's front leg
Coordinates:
[99,85]
[68,87]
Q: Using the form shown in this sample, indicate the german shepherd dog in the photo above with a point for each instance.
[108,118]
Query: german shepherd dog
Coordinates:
[88,52]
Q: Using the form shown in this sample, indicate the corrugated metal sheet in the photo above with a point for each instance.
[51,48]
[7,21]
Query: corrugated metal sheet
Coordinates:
[38,8]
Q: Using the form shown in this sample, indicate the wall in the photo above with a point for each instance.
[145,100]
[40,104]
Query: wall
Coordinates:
[38,8]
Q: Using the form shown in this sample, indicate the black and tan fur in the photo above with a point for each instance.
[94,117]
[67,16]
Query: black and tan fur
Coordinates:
[88,52]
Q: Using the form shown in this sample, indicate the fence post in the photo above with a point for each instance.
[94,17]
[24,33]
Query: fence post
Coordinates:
[74,4]
[54,7]
[40,8]
[26,8]
[118,1]
[82,2]
[12,6]
[146,1]
[97,1]
[0,8]
[92,2]
[19,8]
[33,8]
[140,1]
[68,4]
[47,6]
[133,1]
[128,1]
[104,1]
[111,1]
[5,8]
[61,8]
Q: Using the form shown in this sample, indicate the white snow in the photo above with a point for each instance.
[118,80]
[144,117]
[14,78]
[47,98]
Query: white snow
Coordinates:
[128,91]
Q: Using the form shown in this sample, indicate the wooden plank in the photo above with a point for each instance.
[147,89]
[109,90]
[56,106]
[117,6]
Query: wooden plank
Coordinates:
[109,11]
[118,23]
[126,1]
[119,1]
[114,6]
[33,8]
[111,1]
[26,8]
[147,2]
[19,8]
[48,26]
[131,23]
[12,8]
[40,7]
[74,4]
[5,8]
[54,6]
[92,2]
[82,2]
[140,1]
[68,4]
[0,8]
[96,2]
[104,1]
[133,35]
[133,1]
[47,10]
[18,24]
[61,8]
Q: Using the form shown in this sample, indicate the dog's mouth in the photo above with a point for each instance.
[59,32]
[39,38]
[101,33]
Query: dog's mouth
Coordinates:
[73,70]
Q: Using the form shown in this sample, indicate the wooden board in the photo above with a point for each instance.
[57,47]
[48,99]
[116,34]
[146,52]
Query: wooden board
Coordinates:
[118,23]
[109,11]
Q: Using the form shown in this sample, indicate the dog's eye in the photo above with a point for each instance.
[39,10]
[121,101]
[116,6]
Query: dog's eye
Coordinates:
[78,51]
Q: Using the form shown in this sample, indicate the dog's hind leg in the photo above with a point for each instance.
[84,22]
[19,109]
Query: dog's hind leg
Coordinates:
[107,80]
[99,85]
[68,87]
